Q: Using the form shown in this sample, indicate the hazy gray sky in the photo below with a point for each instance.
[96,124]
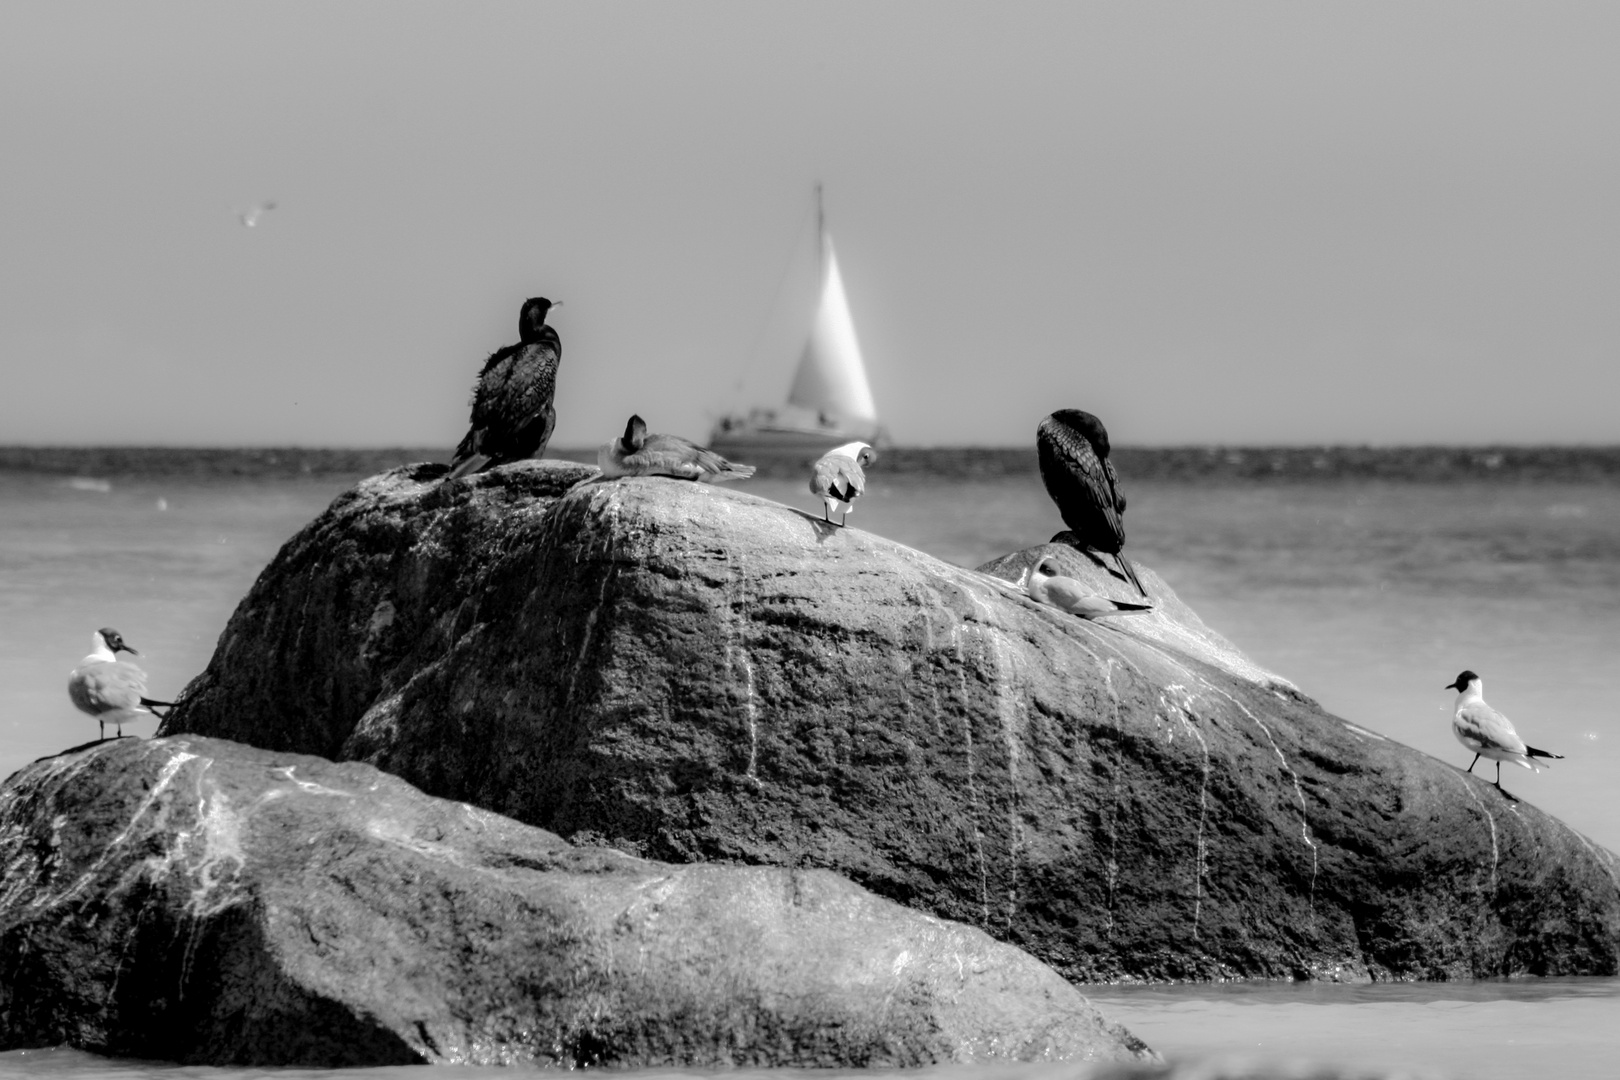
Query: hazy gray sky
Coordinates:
[1231,222]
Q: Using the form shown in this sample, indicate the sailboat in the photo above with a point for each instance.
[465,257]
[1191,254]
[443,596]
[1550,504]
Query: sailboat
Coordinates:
[830,402]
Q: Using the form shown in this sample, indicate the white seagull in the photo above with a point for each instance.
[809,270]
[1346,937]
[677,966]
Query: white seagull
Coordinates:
[838,476]
[1487,732]
[109,689]
[1048,587]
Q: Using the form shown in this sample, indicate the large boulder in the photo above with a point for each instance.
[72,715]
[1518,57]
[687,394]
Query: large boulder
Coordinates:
[201,901]
[692,673]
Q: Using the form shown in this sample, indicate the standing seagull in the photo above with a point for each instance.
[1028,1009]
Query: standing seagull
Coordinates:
[512,416]
[1487,732]
[641,454]
[1046,586]
[109,689]
[1080,479]
[839,477]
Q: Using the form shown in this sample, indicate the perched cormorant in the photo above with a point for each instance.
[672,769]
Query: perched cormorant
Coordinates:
[839,479]
[1047,586]
[109,689]
[512,416]
[1487,732]
[641,454]
[1080,479]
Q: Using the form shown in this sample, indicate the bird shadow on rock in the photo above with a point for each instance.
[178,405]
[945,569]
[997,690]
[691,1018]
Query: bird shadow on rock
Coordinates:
[825,530]
[1068,539]
[91,745]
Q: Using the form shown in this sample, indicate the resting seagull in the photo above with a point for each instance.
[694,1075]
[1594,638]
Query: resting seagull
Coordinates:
[1047,586]
[512,415]
[109,689]
[839,477]
[1073,448]
[1487,732]
[640,454]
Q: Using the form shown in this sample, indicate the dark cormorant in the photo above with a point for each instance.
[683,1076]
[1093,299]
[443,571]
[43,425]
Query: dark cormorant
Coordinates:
[1080,479]
[512,415]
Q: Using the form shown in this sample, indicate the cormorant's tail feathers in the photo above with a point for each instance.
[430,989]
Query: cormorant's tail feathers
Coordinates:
[1130,572]
[470,465]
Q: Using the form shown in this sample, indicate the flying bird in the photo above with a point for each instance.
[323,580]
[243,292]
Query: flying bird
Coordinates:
[839,477]
[512,415]
[1073,448]
[640,454]
[1047,586]
[109,689]
[250,217]
[1487,732]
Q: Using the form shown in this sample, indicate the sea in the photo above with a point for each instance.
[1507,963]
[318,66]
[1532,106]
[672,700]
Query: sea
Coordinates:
[1369,577]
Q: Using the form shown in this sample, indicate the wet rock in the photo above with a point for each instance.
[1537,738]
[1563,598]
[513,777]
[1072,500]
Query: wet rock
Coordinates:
[201,901]
[691,673]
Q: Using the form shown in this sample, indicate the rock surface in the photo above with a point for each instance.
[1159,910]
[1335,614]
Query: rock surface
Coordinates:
[692,673]
[201,901]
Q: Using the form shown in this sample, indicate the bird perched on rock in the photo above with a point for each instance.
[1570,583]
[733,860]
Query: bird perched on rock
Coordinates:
[1047,586]
[512,415]
[641,454]
[839,477]
[109,689]
[1487,732]
[1073,448]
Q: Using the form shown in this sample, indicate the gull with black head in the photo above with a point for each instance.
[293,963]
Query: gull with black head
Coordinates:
[1487,732]
[638,453]
[839,477]
[109,689]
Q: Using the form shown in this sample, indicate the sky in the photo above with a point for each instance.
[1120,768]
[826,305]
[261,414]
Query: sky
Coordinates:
[1220,222]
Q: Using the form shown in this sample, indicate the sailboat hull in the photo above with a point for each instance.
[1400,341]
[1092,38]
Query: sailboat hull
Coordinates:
[790,431]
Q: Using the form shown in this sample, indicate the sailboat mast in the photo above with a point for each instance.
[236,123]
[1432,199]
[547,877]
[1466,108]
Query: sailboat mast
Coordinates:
[821,236]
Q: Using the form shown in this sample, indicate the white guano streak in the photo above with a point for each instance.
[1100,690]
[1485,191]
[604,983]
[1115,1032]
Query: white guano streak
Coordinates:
[1176,701]
[734,623]
[972,787]
[1489,820]
[1299,790]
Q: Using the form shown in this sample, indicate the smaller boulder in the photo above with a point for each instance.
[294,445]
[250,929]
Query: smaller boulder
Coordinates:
[196,900]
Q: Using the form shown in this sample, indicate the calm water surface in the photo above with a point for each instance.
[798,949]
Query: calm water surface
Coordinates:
[1551,1029]
[1370,596]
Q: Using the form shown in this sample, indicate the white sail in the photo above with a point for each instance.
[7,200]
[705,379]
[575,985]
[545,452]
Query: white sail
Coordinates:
[832,378]
[830,403]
